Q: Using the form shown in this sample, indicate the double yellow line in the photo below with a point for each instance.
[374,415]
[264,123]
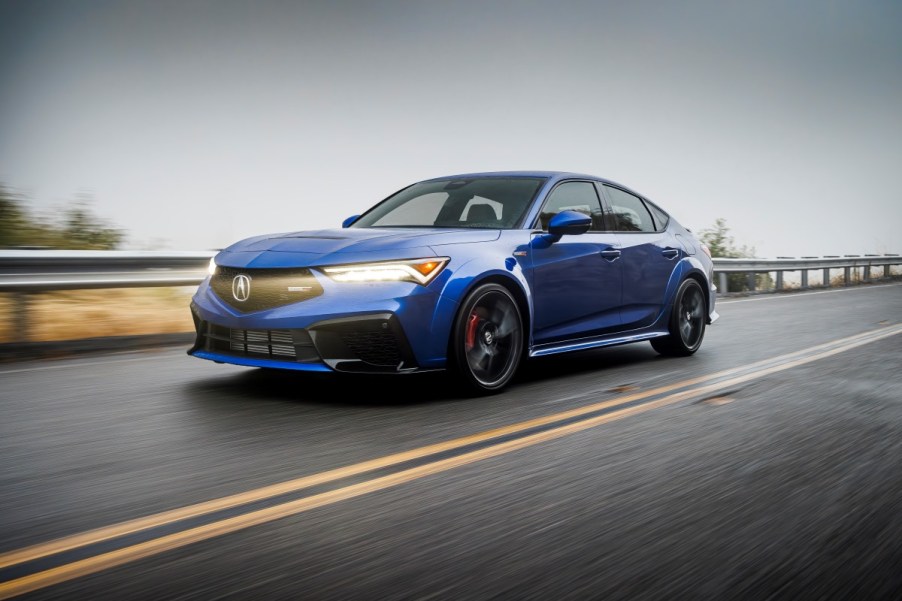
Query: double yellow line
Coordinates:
[576,420]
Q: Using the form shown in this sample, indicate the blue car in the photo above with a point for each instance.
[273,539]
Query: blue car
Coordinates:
[472,273]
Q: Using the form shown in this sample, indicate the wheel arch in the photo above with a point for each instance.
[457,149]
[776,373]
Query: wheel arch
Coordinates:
[703,283]
[516,290]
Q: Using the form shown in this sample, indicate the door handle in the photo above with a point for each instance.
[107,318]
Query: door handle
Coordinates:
[610,254]
[671,253]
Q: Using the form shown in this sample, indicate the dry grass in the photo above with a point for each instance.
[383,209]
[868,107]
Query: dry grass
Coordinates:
[80,314]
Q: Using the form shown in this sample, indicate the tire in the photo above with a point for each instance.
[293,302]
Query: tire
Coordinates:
[687,322]
[487,339]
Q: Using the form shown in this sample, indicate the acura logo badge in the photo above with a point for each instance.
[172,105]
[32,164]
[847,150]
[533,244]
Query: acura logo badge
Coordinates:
[241,288]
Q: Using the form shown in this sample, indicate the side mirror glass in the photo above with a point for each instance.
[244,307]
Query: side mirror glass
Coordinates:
[349,221]
[569,223]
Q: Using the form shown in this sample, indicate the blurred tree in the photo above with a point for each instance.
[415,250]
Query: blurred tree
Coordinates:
[76,228]
[82,229]
[722,245]
[13,220]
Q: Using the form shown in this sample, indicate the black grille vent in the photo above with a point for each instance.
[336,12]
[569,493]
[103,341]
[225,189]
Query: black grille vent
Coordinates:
[283,345]
[378,348]
[268,288]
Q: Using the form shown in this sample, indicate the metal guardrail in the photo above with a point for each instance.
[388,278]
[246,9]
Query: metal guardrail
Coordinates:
[781,265]
[45,270]
[25,272]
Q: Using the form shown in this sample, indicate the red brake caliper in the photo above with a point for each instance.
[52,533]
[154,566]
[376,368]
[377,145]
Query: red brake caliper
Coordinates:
[472,322]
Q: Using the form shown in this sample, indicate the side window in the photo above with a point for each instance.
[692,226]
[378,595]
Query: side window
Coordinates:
[573,196]
[630,214]
[661,218]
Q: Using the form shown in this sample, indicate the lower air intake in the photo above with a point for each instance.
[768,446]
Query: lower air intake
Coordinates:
[283,345]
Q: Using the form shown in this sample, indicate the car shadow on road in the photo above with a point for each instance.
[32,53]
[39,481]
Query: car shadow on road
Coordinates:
[329,389]
[354,390]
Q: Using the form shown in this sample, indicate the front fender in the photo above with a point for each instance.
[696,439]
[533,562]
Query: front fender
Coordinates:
[466,277]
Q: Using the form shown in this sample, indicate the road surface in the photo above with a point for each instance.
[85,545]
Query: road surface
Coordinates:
[767,465]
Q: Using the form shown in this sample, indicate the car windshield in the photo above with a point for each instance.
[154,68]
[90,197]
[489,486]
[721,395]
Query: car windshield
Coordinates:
[488,202]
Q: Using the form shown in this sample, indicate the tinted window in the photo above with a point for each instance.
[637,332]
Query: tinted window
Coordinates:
[630,214]
[573,196]
[420,209]
[661,218]
[490,202]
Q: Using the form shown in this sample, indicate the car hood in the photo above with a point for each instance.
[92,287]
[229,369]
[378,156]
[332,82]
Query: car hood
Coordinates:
[333,246]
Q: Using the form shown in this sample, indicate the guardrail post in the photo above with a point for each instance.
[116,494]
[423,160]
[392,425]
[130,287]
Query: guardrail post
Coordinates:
[847,276]
[827,281]
[804,278]
[779,280]
[751,281]
[886,271]
[20,317]
[867,268]
[722,279]
[848,279]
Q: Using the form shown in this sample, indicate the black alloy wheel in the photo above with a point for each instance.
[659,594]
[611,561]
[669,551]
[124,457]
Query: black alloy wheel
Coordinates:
[487,341]
[687,322]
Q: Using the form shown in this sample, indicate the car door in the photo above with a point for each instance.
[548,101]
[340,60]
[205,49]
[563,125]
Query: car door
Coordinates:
[649,255]
[576,279]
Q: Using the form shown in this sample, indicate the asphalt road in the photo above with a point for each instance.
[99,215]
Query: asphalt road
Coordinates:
[767,465]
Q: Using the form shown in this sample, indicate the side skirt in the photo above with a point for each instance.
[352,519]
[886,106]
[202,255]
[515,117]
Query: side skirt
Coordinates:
[588,343]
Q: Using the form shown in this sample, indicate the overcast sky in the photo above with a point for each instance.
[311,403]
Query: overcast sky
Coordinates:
[194,124]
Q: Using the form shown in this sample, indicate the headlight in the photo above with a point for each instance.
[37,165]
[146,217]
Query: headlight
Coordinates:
[418,271]
[211,268]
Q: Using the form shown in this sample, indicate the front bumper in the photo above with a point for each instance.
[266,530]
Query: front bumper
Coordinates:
[373,343]
[391,327]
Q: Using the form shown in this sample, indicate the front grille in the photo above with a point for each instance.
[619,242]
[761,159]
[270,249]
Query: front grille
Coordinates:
[377,348]
[266,288]
[284,345]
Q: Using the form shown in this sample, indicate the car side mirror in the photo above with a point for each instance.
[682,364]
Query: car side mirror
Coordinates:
[570,223]
[349,221]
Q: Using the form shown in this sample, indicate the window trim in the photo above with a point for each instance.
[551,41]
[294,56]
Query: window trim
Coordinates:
[609,221]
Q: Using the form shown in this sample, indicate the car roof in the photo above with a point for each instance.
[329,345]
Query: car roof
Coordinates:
[555,175]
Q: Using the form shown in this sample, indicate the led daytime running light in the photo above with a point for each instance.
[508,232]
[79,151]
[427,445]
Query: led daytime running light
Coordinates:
[418,271]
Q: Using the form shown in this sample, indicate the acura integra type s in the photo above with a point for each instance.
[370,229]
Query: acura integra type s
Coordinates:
[471,273]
